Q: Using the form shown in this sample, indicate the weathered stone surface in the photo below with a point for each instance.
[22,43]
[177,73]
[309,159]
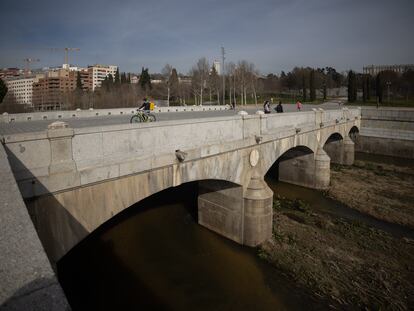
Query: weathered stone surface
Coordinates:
[220,208]
[27,281]
[258,211]
[105,170]
[348,151]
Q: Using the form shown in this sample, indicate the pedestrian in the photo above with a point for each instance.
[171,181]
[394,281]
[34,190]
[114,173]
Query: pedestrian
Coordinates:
[279,107]
[233,104]
[266,107]
[299,105]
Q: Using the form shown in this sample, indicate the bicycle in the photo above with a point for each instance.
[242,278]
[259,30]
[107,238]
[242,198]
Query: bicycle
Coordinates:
[143,116]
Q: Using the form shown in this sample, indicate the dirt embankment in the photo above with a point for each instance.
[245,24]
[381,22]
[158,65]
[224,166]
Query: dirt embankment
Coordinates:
[380,190]
[347,262]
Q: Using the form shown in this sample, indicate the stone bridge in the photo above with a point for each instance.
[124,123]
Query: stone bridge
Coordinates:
[74,180]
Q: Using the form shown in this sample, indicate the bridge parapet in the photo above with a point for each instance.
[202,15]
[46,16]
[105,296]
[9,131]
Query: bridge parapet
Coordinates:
[88,113]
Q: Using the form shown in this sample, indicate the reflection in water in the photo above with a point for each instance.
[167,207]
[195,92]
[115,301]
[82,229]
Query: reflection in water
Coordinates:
[160,258]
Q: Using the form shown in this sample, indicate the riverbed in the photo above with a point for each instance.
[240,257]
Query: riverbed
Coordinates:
[335,245]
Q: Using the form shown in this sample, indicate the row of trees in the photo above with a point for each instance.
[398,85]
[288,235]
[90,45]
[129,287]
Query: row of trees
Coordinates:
[388,82]
[244,84]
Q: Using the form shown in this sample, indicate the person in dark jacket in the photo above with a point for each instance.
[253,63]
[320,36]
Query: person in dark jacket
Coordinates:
[145,105]
[279,107]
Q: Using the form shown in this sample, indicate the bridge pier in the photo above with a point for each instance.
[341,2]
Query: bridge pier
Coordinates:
[307,170]
[246,219]
[220,208]
[341,151]
[258,211]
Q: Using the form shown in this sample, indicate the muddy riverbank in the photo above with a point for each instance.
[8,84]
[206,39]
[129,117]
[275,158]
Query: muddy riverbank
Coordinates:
[385,191]
[355,262]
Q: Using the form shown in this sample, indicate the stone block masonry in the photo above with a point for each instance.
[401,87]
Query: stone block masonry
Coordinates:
[387,131]
[77,179]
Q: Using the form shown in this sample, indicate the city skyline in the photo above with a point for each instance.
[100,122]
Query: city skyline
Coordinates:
[274,35]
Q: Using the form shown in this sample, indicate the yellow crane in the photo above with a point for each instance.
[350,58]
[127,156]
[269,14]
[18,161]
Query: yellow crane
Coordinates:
[67,50]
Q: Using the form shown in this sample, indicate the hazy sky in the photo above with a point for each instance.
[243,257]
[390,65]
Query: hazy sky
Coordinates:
[273,34]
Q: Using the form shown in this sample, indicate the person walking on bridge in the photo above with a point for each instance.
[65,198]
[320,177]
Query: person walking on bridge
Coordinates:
[299,105]
[266,107]
[279,107]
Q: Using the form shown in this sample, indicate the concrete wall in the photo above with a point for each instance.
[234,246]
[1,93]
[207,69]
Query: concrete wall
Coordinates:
[69,114]
[387,131]
[78,179]
[27,281]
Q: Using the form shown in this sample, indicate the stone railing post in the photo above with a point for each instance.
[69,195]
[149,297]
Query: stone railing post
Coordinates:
[60,137]
[318,117]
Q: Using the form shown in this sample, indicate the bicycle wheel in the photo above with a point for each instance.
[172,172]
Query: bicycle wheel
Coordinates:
[135,119]
[151,117]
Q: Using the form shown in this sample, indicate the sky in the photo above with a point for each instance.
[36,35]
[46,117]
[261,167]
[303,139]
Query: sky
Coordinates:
[275,35]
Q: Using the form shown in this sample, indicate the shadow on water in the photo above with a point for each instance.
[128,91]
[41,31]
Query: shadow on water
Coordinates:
[155,256]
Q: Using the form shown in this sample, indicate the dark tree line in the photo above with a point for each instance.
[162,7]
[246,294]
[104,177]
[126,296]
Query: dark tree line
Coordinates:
[3,90]
[386,84]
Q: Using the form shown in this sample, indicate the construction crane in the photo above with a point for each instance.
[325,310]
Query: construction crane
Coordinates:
[66,52]
[27,64]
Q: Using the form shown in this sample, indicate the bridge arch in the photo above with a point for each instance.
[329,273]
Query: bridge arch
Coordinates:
[294,152]
[193,190]
[64,219]
[272,152]
[353,133]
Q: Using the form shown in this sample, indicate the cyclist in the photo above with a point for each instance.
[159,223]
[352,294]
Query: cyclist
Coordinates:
[145,105]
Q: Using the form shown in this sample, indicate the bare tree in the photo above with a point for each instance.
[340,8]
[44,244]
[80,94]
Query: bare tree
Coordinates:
[195,83]
[231,70]
[252,80]
[241,80]
[214,83]
[203,70]
[166,73]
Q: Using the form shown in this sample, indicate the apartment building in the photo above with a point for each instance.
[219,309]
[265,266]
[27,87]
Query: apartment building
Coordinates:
[99,72]
[52,92]
[217,66]
[22,88]
[10,73]
[373,70]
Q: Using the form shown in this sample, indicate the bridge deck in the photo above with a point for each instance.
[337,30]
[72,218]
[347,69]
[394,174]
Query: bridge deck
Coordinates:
[41,125]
